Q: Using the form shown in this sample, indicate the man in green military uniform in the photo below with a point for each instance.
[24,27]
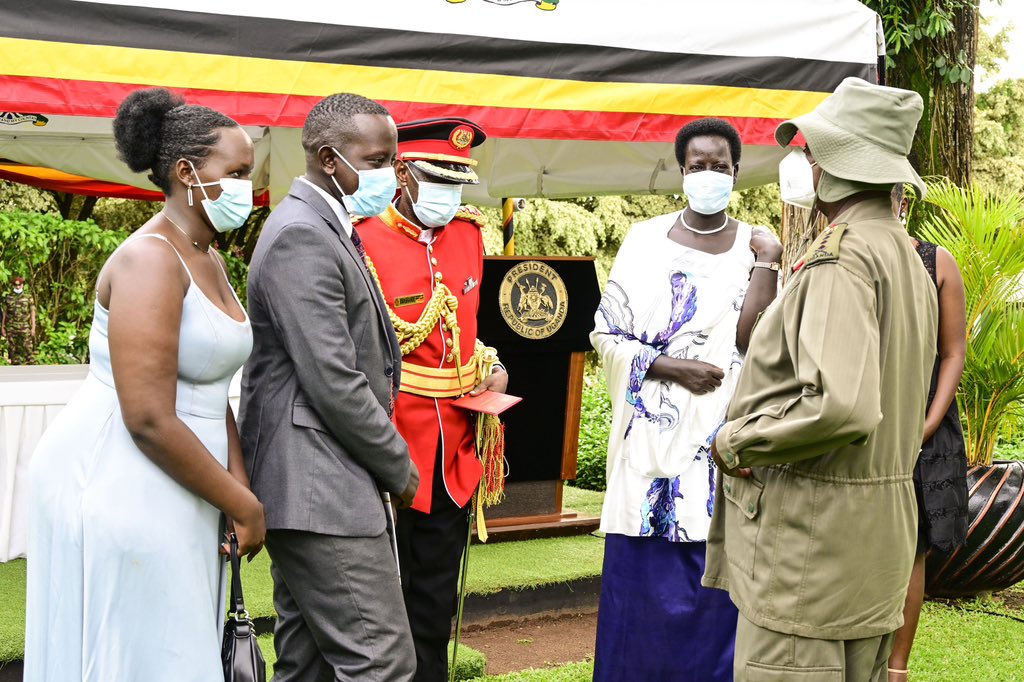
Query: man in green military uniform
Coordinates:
[814,527]
[18,324]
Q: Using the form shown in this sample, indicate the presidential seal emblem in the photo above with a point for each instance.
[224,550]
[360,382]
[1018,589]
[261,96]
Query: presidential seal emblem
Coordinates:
[533,300]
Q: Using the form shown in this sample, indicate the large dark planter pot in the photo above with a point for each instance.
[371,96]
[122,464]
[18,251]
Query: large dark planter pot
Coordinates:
[993,556]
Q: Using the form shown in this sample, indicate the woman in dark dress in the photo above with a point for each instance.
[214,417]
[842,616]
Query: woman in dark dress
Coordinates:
[940,477]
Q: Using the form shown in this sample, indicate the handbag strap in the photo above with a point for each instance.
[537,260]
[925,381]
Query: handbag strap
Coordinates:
[237,600]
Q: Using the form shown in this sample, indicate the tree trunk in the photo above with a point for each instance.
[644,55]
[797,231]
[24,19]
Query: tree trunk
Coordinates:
[945,137]
[797,235]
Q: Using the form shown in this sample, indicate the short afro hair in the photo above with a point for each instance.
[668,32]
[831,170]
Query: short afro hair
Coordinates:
[708,126]
[154,128]
[331,121]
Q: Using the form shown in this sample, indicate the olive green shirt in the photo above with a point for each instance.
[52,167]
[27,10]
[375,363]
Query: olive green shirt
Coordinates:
[829,413]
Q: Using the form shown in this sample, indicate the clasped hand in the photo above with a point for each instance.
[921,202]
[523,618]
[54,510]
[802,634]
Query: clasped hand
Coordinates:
[696,376]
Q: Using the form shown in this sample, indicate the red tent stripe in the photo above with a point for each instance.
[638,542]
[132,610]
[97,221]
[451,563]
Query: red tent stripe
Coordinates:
[98,99]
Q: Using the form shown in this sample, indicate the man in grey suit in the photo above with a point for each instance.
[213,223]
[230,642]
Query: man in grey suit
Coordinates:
[315,417]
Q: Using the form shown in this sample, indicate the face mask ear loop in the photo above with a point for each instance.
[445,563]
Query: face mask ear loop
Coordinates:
[198,184]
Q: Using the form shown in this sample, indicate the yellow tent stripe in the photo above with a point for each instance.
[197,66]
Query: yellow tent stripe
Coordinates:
[110,64]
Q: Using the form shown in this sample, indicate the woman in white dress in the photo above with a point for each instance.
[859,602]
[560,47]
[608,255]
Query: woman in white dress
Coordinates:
[132,483]
[674,320]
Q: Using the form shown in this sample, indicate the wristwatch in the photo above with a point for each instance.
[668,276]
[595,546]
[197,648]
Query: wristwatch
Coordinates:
[768,266]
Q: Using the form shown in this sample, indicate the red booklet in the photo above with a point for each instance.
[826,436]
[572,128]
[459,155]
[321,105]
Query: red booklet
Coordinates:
[487,402]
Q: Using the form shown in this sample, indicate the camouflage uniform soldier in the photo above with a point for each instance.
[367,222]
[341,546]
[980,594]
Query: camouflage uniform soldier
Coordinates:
[18,324]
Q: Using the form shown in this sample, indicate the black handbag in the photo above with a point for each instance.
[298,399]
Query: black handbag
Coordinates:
[240,653]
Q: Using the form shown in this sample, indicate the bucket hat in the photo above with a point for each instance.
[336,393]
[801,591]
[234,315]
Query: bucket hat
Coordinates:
[862,132]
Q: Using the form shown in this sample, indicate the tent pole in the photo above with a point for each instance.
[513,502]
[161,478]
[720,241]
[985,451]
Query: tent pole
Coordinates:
[508,227]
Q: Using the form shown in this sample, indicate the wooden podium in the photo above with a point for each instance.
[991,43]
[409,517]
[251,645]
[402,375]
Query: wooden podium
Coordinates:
[539,312]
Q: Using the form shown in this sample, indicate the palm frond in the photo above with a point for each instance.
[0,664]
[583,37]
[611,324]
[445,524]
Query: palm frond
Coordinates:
[982,229]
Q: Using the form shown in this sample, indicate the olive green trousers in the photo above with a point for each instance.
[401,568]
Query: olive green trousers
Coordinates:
[764,655]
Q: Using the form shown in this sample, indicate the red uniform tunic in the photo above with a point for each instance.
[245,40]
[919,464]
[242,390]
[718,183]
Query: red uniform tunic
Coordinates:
[408,269]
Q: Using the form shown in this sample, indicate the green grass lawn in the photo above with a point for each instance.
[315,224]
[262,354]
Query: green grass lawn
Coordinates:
[968,641]
[583,501]
[12,610]
[492,567]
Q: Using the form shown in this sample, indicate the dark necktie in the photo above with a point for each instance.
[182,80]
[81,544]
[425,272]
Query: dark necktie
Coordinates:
[357,242]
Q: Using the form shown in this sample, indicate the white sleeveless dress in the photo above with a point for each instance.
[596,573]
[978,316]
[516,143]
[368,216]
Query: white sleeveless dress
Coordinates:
[124,576]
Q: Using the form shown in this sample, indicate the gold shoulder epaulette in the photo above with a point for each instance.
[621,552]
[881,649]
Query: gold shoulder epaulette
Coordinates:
[825,248]
[471,214]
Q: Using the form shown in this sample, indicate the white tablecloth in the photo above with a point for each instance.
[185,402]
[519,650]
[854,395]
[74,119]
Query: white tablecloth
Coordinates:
[30,398]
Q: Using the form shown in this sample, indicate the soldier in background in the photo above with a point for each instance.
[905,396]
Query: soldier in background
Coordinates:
[18,324]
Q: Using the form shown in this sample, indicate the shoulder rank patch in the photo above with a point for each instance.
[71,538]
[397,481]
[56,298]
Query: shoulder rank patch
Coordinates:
[471,214]
[825,248]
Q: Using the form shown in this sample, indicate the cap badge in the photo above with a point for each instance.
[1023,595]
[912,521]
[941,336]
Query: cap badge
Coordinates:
[461,137]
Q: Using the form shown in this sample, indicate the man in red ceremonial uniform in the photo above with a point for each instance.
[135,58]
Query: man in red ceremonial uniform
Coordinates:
[426,251]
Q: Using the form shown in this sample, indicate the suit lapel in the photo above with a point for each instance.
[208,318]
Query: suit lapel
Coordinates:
[303,192]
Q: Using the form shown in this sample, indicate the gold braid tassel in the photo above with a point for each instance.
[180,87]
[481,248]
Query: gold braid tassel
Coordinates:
[490,447]
[490,432]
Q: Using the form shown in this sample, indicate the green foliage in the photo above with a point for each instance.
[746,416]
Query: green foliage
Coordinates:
[760,206]
[589,226]
[60,260]
[915,25]
[596,226]
[470,664]
[18,197]
[1009,450]
[124,214]
[595,427]
[999,136]
[982,230]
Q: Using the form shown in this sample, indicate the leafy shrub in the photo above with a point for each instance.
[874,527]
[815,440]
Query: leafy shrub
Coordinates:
[60,261]
[982,230]
[595,425]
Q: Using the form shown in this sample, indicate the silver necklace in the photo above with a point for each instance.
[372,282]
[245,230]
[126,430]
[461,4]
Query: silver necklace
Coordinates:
[193,241]
[693,229]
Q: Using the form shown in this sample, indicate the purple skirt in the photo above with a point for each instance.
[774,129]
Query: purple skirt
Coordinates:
[656,622]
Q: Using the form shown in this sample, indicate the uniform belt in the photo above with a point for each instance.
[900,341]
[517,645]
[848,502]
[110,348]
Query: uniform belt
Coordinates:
[434,382]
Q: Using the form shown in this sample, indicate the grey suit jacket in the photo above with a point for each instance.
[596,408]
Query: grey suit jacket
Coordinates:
[316,432]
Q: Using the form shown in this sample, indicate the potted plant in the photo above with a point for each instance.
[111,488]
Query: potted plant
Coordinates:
[984,233]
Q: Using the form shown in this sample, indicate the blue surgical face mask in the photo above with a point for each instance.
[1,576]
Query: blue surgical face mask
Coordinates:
[437,202]
[231,209]
[375,191]
[708,192]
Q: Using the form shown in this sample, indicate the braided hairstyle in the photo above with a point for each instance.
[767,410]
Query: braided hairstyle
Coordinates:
[154,128]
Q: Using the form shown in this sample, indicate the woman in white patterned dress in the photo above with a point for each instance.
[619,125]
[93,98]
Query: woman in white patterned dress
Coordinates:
[131,483]
[674,320]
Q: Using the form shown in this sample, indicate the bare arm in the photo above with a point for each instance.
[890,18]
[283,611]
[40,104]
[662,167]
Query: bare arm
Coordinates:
[764,285]
[145,305]
[952,341]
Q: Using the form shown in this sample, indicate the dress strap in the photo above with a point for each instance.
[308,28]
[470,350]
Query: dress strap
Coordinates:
[168,242]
